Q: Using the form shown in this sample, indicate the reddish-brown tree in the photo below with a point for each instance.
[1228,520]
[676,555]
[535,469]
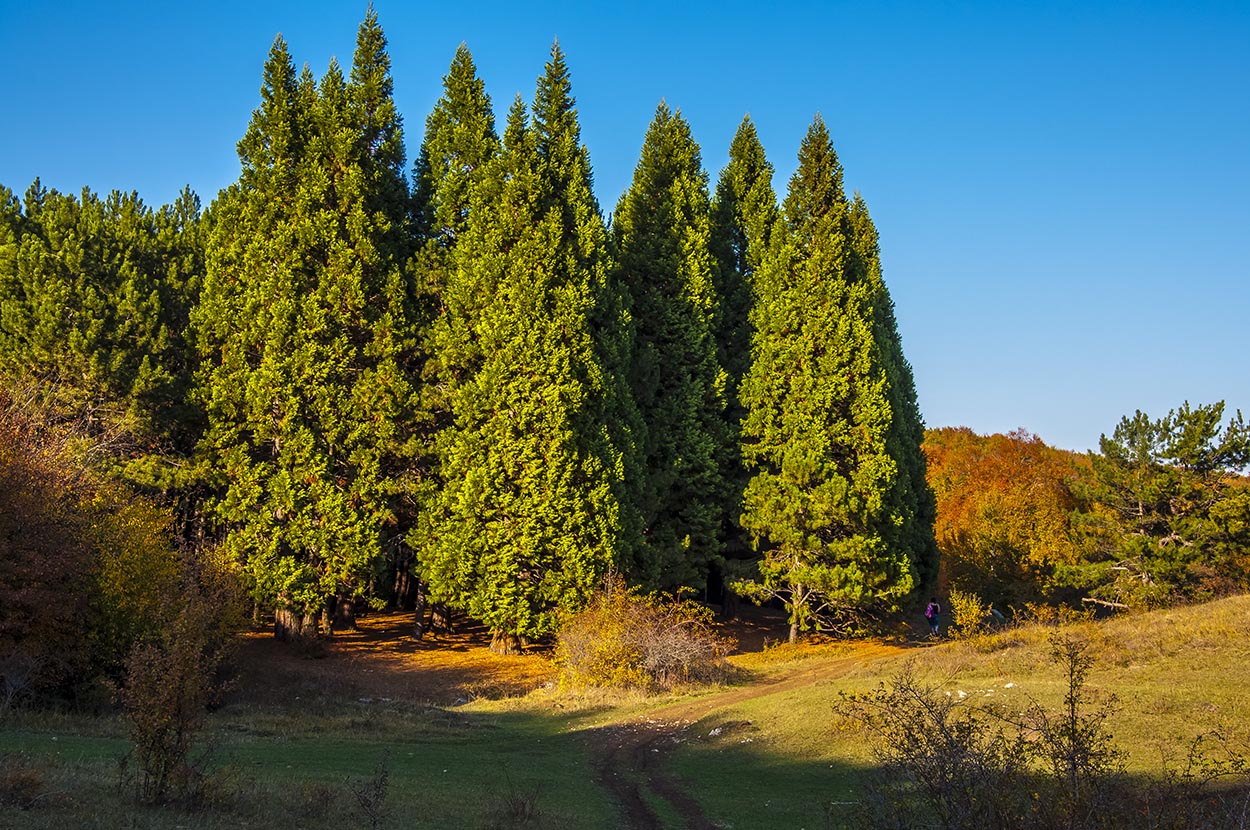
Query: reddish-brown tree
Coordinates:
[1004,505]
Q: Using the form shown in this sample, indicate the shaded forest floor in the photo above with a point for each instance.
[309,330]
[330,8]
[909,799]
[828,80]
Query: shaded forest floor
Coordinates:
[382,661]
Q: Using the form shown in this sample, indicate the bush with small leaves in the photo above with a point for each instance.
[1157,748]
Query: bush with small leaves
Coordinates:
[171,679]
[624,639]
[969,614]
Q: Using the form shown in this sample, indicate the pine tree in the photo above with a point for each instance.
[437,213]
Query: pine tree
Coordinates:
[529,518]
[93,303]
[305,317]
[662,229]
[910,500]
[823,500]
[744,214]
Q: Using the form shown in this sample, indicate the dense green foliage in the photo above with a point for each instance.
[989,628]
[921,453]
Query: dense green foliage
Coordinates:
[360,383]
[662,229]
[529,516]
[744,213]
[829,432]
[1169,514]
[94,298]
[302,329]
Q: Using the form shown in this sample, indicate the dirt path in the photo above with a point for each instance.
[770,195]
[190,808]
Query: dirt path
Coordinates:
[629,758]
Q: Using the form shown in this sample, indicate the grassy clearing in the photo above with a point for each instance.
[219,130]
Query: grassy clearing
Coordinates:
[443,770]
[768,752]
[1176,674]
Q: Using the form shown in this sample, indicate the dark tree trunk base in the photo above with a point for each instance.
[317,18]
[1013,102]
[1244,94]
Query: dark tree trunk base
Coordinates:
[291,626]
[506,644]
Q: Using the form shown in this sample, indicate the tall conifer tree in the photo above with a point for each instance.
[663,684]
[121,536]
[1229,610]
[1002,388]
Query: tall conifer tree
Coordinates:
[459,147]
[744,214]
[662,230]
[529,516]
[820,426]
[304,319]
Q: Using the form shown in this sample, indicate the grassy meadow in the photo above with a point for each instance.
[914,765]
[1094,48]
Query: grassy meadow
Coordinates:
[767,751]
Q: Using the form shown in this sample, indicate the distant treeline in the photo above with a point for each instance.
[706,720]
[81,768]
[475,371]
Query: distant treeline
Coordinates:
[456,383]
[1160,515]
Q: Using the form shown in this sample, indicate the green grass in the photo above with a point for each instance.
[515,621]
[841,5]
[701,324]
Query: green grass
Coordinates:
[274,772]
[771,761]
[1175,675]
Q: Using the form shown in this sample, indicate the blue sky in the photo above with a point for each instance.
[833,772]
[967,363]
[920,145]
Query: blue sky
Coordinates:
[1062,189]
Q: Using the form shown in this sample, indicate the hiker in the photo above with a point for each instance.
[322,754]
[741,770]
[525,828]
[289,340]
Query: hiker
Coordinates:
[931,613]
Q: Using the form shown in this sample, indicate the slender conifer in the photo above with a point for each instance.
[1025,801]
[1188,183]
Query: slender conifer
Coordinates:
[824,502]
[662,230]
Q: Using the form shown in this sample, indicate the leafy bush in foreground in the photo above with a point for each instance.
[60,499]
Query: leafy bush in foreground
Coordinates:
[945,762]
[624,639]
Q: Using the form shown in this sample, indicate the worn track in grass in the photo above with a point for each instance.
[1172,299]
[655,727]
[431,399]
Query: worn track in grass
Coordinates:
[629,758]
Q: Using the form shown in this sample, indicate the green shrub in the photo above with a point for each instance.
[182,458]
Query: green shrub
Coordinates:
[969,615]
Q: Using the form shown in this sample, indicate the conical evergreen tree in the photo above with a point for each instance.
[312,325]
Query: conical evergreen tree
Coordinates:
[460,140]
[662,229]
[459,147]
[818,434]
[529,518]
[304,319]
[911,502]
[744,214]
[566,184]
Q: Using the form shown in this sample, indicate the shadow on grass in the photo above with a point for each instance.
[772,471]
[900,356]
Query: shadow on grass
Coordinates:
[441,770]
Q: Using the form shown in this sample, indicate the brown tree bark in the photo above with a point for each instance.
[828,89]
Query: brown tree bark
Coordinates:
[504,643]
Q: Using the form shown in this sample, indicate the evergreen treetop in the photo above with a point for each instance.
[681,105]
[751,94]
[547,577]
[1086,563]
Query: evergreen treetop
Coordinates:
[818,397]
[662,230]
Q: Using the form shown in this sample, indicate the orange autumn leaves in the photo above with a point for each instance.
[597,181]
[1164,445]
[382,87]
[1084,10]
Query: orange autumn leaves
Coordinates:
[1004,504]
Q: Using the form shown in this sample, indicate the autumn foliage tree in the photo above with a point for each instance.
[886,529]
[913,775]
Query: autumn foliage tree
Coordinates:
[84,561]
[1004,505]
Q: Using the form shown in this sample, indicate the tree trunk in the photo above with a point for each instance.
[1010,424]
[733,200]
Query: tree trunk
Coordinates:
[345,613]
[285,624]
[440,619]
[405,586]
[504,643]
[419,603]
[292,626]
[798,596]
